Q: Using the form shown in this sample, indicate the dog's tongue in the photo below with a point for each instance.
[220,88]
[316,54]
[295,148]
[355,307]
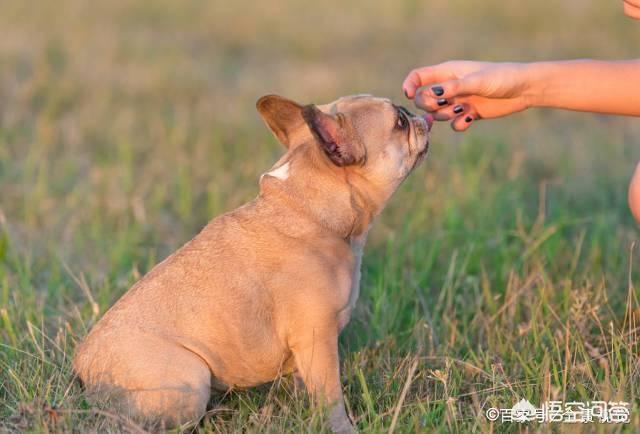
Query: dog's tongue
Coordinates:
[429,118]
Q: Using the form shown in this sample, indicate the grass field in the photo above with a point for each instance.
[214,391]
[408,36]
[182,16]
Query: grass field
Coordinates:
[504,268]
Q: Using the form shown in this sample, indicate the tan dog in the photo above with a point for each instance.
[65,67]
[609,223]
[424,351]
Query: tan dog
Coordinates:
[265,289]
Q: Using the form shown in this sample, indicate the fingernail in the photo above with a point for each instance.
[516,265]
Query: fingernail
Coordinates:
[458,109]
[442,101]
[438,90]
[468,119]
[406,94]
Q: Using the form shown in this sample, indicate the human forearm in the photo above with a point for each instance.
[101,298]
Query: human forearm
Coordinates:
[585,85]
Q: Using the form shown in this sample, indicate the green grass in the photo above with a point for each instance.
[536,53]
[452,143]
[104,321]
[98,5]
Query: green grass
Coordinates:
[503,268]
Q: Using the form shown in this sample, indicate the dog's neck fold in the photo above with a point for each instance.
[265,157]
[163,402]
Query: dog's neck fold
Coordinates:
[332,198]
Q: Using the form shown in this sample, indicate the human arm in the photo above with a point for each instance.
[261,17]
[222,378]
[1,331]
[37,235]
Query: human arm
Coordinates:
[463,91]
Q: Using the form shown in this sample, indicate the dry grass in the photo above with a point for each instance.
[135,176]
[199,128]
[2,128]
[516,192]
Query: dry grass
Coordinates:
[504,268]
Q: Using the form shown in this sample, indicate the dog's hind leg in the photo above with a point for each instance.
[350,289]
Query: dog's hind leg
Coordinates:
[175,393]
[156,383]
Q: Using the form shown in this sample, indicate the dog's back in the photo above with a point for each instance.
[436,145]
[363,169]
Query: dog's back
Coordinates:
[217,311]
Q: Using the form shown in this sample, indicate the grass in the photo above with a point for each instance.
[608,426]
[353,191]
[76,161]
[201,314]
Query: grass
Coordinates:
[504,268]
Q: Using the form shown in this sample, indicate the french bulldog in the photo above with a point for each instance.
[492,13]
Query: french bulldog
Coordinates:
[263,290]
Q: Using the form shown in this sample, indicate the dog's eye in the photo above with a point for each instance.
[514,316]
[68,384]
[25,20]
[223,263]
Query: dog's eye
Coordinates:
[401,122]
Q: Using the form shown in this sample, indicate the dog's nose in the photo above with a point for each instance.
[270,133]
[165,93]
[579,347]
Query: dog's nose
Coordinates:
[429,118]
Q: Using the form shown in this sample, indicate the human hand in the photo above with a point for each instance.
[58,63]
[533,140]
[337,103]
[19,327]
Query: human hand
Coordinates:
[463,91]
[632,8]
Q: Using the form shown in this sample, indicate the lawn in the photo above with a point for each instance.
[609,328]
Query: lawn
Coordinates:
[504,268]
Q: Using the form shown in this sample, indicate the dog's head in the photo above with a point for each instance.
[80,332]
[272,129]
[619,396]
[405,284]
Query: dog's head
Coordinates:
[371,137]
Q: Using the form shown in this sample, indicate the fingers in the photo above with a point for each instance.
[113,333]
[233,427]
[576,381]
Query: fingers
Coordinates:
[426,101]
[423,76]
[464,121]
[470,85]
[451,111]
[457,77]
[441,83]
[442,95]
[461,114]
[411,83]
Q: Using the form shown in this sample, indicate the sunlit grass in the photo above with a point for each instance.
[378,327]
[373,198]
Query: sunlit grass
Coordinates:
[503,268]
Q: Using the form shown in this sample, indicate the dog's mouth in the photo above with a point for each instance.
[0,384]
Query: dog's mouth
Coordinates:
[427,117]
[428,123]
[422,154]
[421,126]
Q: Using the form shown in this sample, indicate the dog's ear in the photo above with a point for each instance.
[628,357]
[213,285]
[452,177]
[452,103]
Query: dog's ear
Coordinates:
[284,119]
[333,136]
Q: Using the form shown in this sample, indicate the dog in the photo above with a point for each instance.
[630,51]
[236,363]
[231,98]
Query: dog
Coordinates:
[263,290]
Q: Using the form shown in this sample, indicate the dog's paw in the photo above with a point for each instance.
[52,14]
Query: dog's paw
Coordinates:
[343,427]
[340,423]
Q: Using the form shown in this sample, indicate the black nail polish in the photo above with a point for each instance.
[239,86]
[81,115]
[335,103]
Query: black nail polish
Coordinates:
[458,109]
[442,102]
[438,90]
[468,119]
[406,94]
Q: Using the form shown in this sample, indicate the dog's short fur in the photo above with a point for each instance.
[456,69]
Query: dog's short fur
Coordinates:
[265,289]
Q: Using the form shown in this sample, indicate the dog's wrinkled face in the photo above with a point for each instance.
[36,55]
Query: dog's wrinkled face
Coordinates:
[372,136]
